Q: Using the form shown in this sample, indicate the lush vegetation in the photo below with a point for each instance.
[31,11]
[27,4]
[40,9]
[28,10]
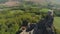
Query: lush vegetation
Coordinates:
[10,21]
[12,17]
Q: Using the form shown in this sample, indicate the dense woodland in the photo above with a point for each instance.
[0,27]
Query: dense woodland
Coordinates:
[12,17]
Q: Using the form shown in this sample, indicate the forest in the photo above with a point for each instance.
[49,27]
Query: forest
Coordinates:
[11,17]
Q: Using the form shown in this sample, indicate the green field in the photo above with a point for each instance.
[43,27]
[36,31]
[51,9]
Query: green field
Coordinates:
[57,24]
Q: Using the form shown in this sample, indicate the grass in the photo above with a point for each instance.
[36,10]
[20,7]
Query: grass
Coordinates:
[57,24]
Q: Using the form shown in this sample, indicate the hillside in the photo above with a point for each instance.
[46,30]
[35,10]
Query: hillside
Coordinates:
[38,1]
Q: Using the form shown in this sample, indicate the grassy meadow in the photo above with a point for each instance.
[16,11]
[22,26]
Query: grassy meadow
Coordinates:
[57,24]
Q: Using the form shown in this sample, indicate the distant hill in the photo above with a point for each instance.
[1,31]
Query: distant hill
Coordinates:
[14,2]
[3,1]
[38,1]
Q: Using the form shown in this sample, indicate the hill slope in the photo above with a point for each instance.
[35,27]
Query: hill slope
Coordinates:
[38,1]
